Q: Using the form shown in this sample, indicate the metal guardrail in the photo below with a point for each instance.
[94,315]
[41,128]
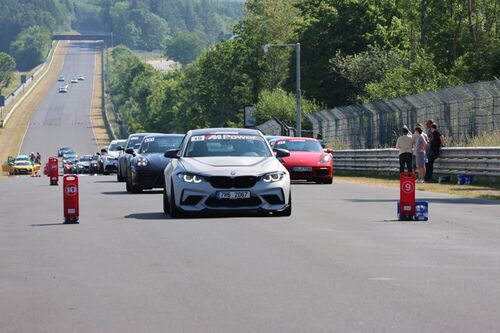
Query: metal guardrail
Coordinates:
[34,77]
[479,161]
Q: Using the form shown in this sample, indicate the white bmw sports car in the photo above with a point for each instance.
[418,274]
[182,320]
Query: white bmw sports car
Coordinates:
[226,170]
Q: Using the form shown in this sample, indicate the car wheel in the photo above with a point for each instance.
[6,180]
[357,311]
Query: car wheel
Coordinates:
[287,211]
[119,177]
[175,212]
[128,184]
[166,203]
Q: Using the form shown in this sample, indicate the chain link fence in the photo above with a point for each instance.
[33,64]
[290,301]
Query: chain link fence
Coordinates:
[461,112]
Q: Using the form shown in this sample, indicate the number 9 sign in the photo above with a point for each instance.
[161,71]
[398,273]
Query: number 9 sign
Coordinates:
[407,187]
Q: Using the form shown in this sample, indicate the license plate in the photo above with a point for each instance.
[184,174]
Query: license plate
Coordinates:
[232,195]
[302,169]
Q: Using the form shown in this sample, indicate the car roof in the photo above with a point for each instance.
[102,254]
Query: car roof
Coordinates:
[241,131]
[163,135]
[292,138]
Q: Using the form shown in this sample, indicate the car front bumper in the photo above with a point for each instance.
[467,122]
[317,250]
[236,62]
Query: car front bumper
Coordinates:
[202,197]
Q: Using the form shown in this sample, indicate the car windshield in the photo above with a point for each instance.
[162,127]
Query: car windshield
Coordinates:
[227,144]
[160,144]
[23,163]
[133,140]
[114,146]
[299,145]
[85,158]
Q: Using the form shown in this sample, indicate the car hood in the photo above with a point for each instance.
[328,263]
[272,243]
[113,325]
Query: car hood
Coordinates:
[155,161]
[83,163]
[230,166]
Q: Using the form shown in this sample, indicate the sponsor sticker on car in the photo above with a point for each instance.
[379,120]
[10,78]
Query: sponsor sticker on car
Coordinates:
[224,137]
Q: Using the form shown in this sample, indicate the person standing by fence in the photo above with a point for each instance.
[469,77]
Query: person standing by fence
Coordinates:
[405,146]
[434,151]
[420,146]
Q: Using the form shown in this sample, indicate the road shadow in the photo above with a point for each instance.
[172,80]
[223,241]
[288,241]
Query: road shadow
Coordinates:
[115,193]
[196,216]
[106,181]
[51,224]
[148,216]
[453,201]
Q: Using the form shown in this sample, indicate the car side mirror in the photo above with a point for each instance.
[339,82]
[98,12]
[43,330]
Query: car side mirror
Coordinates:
[172,153]
[130,151]
[280,153]
[329,150]
[104,151]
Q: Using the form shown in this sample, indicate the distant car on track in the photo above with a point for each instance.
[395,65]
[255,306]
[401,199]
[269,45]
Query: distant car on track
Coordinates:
[60,78]
[74,81]
[226,170]
[307,160]
[109,158]
[83,164]
[130,147]
[147,166]
[63,89]
[80,78]
[63,150]
[22,168]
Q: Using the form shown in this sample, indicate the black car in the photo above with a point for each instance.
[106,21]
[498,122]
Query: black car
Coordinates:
[147,166]
[127,153]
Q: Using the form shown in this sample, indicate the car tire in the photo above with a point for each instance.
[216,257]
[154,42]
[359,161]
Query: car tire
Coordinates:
[105,173]
[287,211]
[166,203]
[119,178]
[325,181]
[128,185]
[175,212]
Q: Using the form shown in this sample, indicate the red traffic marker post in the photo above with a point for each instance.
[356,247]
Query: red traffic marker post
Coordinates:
[53,170]
[407,196]
[71,199]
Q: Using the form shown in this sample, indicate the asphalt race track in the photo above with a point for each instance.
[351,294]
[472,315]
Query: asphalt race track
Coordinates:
[340,263]
[63,119]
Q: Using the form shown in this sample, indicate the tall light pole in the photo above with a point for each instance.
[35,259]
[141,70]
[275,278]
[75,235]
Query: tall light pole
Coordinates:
[296,46]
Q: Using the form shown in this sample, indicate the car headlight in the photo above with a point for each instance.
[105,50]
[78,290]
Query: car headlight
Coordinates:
[325,159]
[142,161]
[190,178]
[273,177]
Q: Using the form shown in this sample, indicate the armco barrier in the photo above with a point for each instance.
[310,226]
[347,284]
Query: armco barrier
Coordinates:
[480,161]
[36,78]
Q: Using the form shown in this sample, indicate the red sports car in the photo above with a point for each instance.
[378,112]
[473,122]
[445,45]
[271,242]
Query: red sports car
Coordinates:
[307,160]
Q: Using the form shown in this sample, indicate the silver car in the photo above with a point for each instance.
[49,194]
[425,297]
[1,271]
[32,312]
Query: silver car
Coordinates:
[226,170]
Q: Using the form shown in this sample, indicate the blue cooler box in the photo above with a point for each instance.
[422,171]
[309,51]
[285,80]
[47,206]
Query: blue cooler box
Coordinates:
[465,180]
[421,211]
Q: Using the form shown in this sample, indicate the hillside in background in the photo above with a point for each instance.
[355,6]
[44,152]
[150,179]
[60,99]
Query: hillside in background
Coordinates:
[149,24]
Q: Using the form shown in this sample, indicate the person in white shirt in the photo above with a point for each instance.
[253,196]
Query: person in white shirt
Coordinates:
[420,147]
[405,146]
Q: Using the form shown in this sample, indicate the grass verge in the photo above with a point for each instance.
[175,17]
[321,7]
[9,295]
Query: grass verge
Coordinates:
[11,136]
[100,132]
[485,188]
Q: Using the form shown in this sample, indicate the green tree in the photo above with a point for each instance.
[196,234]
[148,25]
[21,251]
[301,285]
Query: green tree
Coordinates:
[281,104]
[31,47]
[7,68]
[184,47]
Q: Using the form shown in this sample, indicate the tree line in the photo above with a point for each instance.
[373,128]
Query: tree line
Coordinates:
[352,51]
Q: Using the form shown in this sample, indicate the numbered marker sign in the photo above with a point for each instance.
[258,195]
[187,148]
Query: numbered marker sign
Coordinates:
[407,187]
[71,190]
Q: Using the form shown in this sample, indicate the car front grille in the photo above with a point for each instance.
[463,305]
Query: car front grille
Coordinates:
[233,182]
[250,202]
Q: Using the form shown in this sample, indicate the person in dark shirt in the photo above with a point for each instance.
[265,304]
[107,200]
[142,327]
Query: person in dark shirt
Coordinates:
[434,151]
